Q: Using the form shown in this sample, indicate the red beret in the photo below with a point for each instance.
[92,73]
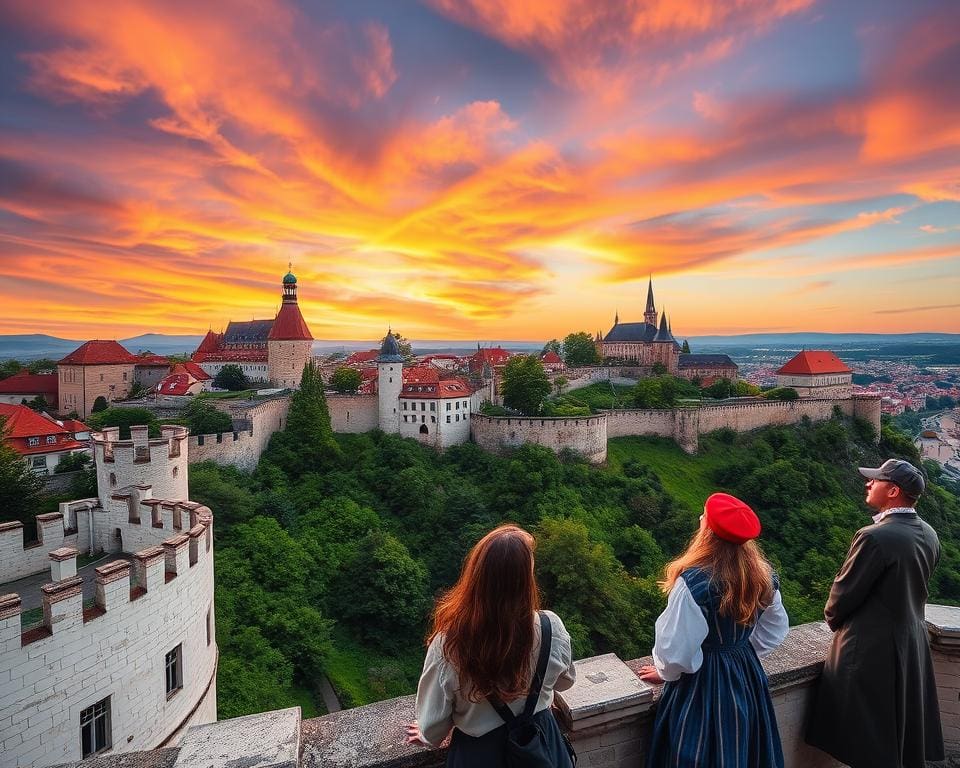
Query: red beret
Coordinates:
[731,519]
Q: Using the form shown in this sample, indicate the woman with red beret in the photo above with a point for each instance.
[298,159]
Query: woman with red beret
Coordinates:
[723,613]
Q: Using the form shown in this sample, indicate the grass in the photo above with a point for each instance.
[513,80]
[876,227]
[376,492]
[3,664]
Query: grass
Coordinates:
[688,479]
[239,395]
[603,394]
[361,675]
[310,705]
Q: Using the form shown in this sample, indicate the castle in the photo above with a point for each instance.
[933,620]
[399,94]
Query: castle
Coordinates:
[123,658]
[267,351]
[645,345]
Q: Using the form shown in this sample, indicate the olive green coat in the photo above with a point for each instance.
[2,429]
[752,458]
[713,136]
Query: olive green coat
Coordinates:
[876,703]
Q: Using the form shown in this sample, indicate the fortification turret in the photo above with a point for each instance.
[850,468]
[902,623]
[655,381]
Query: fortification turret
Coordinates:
[389,382]
[159,462]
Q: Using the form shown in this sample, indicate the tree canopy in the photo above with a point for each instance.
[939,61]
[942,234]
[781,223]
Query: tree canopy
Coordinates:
[346,380]
[525,384]
[579,349]
[204,418]
[231,377]
[21,490]
[125,418]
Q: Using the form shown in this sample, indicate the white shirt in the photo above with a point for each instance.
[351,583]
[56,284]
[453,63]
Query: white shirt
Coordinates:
[893,511]
[681,630]
[442,705]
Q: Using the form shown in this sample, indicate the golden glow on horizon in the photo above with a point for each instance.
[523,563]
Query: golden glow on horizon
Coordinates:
[163,161]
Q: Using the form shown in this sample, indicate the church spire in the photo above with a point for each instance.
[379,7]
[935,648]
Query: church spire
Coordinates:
[616,317]
[650,313]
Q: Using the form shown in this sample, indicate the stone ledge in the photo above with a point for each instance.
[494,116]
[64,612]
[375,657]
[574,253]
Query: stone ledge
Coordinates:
[266,740]
[943,623]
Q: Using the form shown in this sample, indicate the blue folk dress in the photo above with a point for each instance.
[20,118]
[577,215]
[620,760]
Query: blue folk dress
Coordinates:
[718,714]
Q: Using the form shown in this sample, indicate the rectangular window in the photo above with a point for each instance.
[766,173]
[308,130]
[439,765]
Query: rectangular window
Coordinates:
[457,406]
[423,406]
[174,670]
[101,377]
[51,439]
[448,419]
[33,441]
[433,406]
[404,406]
[433,419]
[448,406]
[95,729]
[38,462]
[458,417]
[124,375]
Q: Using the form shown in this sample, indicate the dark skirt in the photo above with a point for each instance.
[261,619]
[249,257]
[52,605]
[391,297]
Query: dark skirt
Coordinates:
[488,751]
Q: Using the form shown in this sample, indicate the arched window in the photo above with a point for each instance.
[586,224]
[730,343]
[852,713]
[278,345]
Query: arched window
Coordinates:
[424,430]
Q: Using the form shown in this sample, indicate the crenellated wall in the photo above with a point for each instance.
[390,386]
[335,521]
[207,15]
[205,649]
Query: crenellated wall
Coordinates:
[353,414]
[242,449]
[586,435]
[157,462]
[113,649]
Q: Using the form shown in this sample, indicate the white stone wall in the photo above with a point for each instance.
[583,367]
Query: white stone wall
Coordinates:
[257,372]
[353,414]
[286,360]
[18,560]
[48,677]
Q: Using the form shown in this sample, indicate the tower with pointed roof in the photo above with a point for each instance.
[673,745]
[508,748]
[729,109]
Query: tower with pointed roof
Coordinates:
[650,313]
[289,342]
[389,382]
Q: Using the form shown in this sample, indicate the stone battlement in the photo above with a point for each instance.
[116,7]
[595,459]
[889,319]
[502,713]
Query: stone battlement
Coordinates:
[612,712]
[242,448]
[586,435]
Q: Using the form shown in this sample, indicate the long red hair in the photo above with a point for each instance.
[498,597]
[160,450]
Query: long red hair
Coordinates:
[487,617]
[742,573]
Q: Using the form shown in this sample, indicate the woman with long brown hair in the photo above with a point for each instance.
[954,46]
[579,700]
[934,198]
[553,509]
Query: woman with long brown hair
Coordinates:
[723,613]
[485,651]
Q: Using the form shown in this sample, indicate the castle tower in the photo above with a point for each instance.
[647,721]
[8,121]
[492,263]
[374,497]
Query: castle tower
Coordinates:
[290,343]
[665,348]
[160,463]
[389,382]
[650,313]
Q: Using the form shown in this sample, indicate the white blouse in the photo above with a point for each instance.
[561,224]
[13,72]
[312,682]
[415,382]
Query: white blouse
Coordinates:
[681,630]
[442,705]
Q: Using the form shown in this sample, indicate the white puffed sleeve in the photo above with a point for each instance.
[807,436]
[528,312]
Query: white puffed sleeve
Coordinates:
[771,627]
[434,703]
[681,630]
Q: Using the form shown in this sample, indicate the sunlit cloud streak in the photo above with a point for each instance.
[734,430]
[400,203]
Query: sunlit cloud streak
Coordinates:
[161,162]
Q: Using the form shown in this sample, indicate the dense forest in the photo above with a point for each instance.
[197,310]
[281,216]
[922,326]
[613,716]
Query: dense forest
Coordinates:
[329,555]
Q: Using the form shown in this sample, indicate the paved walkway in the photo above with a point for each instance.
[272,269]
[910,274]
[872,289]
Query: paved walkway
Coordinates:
[29,587]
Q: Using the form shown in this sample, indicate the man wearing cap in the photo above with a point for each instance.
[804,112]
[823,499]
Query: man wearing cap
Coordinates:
[876,705]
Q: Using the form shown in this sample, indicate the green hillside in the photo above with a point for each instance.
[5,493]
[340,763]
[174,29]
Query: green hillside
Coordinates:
[328,561]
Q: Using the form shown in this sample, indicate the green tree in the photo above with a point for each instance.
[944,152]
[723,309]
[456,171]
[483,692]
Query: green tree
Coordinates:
[685,349]
[21,490]
[346,380]
[39,403]
[100,404]
[525,384]
[579,349]
[382,591]
[785,394]
[307,444]
[559,383]
[9,367]
[656,392]
[204,418]
[554,345]
[125,418]
[231,377]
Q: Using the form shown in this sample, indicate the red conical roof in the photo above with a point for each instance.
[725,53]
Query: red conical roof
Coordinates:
[290,325]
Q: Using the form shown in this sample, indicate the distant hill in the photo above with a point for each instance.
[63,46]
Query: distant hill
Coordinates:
[829,340]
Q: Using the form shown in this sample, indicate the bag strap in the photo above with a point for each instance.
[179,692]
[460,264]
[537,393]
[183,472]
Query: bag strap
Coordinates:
[546,640]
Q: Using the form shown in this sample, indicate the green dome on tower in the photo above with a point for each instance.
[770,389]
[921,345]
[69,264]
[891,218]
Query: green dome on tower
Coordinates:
[289,279]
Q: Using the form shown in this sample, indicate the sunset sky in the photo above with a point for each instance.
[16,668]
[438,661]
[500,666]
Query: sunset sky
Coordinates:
[480,169]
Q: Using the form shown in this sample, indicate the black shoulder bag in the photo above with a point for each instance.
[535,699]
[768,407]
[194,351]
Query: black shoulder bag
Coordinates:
[527,744]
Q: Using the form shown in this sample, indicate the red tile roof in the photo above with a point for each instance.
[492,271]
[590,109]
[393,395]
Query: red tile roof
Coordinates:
[358,358]
[254,355]
[20,424]
[193,369]
[551,357]
[98,352]
[148,358]
[74,425]
[813,361]
[424,389]
[290,325]
[26,383]
[176,384]
[211,342]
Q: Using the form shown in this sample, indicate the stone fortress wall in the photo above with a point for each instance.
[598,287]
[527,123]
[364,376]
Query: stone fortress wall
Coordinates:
[353,414]
[242,448]
[586,435]
[683,425]
[114,648]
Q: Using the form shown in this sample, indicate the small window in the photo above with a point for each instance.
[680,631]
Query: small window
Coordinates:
[448,419]
[457,406]
[95,729]
[404,406]
[51,439]
[113,479]
[38,462]
[433,419]
[101,377]
[448,408]
[433,406]
[33,441]
[174,670]
[458,417]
